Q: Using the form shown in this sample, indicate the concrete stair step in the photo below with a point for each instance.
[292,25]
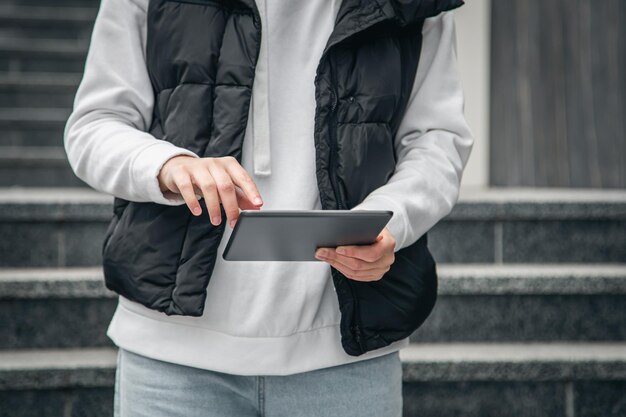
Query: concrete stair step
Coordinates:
[34,155]
[36,166]
[514,380]
[34,107]
[34,135]
[62,226]
[34,126]
[70,307]
[52,383]
[46,3]
[34,117]
[62,48]
[56,227]
[46,21]
[56,368]
[528,302]
[438,380]
[521,225]
[39,90]
[40,81]
[42,54]
[47,307]
[46,14]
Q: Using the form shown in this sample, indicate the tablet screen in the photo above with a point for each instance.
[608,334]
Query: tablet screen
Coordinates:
[294,235]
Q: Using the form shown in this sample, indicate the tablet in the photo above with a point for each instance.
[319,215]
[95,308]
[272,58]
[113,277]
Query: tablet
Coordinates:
[294,235]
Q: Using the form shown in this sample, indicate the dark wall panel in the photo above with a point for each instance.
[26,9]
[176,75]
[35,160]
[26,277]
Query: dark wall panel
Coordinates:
[558,93]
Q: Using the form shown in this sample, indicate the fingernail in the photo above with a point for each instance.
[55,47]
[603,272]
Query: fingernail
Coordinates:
[197,210]
[232,223]
[341,250]
[322,253]
[217,220]
[258,200]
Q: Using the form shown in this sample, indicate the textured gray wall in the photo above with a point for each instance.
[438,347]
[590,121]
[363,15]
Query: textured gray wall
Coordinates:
[558,93]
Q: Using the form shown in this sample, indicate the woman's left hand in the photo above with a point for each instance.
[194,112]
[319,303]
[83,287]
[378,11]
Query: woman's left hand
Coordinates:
[362,262]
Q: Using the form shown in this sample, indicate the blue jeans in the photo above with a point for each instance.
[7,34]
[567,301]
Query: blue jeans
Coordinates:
[152,388]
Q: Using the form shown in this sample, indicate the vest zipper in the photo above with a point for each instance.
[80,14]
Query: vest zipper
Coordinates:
[332,125]
[357,318]
[333,139]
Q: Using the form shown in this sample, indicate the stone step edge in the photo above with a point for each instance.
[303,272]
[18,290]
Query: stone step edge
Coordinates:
[57,368]
[34,203]
[48,14]
[446,362]
[29,155]
[58,48]
[450,362]
[26,116]
[44,196]
[469,195]
[454,280]
[39,81]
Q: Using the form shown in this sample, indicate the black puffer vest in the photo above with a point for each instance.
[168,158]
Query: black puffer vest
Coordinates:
[201,57]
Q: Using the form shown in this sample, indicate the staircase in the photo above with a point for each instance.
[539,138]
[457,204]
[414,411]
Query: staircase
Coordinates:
[530,319]
[43,45]
[531,315]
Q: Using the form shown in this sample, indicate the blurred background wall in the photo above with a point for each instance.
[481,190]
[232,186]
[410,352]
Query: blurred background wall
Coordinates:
[546,92]
[473,26]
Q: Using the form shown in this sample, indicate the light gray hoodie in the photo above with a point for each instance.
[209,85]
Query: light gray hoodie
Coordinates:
[270,318]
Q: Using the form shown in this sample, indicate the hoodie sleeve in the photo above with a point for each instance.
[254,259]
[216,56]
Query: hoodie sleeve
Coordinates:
[433,142]
[105,136]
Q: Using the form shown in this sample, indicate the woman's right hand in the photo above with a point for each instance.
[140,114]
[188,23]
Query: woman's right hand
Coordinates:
[216,179]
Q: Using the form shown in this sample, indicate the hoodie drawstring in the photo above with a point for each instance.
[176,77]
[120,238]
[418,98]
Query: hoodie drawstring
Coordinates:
[260,102]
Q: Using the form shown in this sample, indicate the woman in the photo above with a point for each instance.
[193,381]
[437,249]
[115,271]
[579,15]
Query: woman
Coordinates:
[186,114]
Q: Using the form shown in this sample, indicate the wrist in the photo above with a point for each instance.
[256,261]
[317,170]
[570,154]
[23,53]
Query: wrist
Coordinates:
[163,170]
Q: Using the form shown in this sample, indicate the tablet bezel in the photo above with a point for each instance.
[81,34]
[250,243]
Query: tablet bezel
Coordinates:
[297,213]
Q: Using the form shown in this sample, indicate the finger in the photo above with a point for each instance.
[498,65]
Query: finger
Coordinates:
[226,191]
[243,202]
[355,264]
[186,190]
[369,253]
[329,254]
[203,180]
[361,265]
[242,179]
[371,275]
